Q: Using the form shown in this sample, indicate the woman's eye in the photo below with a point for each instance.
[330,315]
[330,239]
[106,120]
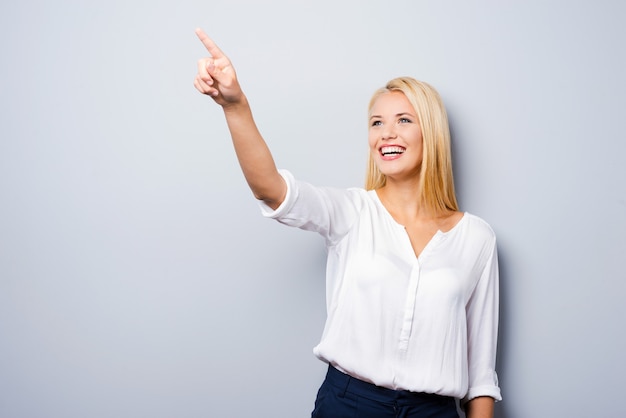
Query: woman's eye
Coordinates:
[377,123]
[405,120]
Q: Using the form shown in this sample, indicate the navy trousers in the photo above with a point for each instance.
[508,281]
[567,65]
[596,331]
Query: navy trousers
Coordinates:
[342,396]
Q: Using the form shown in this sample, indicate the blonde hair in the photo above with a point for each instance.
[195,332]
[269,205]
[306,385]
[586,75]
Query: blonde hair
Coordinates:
[436,179]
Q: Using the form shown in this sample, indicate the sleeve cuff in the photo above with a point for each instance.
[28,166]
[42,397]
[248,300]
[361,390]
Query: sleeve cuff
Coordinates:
[290,198]
[491,391]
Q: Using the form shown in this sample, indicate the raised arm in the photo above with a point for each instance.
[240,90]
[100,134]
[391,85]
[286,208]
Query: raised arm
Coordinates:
[217,78]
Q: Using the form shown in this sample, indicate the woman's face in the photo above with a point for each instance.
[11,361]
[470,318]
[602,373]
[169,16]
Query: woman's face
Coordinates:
[395,136]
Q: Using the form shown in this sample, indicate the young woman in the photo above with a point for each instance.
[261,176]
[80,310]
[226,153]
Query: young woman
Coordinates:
[412,309]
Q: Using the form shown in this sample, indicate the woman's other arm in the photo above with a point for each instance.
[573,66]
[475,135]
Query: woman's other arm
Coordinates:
[217,78]
[481,407]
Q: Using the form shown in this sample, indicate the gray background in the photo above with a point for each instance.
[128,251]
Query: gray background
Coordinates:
[137,277]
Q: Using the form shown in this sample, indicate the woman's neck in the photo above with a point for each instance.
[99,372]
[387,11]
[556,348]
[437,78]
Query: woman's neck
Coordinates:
[403,199]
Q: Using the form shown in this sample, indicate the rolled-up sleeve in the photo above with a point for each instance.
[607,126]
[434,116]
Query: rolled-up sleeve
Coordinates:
[325,210]
[482,328]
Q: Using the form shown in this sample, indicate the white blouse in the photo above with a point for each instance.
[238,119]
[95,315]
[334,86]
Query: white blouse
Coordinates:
[423,324]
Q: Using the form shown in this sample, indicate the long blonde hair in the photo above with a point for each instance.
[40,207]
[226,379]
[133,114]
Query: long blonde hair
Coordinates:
[436,179]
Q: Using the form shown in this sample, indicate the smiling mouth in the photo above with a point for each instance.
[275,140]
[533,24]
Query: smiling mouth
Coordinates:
[385,151]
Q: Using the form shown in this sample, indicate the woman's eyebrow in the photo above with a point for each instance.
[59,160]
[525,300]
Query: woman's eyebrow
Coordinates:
[397,115]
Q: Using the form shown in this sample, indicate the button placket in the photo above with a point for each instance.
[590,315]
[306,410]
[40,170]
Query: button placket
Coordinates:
[409,307]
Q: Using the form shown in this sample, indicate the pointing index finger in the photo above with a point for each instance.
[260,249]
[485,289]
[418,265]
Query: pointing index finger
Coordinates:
[209,44]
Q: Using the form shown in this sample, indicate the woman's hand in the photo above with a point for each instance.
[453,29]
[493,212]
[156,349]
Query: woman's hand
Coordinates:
[216,78]
[216,75]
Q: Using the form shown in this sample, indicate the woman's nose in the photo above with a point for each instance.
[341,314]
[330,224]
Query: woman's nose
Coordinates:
[388,132]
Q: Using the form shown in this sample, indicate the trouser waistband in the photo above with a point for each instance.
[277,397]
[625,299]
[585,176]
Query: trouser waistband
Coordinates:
[377,393]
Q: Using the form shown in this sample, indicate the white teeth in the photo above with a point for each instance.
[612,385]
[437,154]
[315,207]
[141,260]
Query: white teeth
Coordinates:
[391,150]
